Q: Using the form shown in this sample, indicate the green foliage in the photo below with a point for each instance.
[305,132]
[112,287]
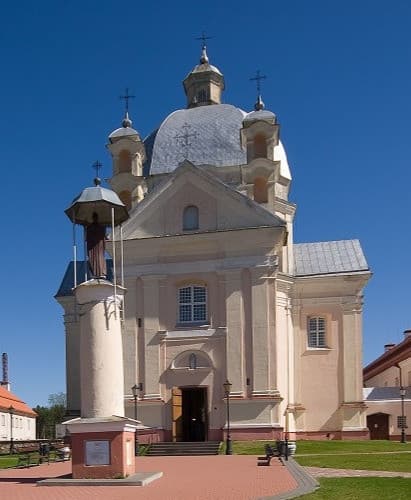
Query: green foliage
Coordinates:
[49,416]
[366,488]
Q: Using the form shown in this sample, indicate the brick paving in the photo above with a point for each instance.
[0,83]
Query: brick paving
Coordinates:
[218,477]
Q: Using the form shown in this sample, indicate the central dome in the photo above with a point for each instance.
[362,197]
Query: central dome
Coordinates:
[207,135]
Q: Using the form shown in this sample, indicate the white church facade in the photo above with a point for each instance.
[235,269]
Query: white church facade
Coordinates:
[217,289]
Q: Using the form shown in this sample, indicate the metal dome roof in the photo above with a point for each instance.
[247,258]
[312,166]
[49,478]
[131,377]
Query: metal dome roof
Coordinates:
[213,138]
[100,200]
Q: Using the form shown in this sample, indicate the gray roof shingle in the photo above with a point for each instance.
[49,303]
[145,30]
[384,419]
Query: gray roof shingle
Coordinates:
[329,257]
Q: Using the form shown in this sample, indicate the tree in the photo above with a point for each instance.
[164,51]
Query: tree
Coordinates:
[49,416]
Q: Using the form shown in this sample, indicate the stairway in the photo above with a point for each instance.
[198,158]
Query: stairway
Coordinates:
[184,448]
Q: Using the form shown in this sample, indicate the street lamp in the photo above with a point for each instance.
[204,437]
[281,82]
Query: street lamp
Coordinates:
[227,388]
[11,412]
[135,390]
[402,395]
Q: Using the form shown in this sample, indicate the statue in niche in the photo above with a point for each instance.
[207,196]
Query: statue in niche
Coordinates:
[96,247]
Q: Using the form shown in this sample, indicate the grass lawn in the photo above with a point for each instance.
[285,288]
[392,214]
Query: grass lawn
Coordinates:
[396,462]
[366,488]
[341,454]
[350,446]
[8,461]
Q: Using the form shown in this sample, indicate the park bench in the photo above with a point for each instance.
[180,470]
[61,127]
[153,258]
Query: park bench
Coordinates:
[271,451]
[30,455]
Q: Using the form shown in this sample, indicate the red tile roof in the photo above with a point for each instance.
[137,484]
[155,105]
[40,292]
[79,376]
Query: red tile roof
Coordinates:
[8,399]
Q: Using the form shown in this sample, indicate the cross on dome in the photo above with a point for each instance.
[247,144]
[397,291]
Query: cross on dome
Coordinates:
[257,78]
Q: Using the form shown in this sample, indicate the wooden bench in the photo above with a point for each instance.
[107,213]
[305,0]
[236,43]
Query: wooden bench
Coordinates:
[30,455]
[271,451]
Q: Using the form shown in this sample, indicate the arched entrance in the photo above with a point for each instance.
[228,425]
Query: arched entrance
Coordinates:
[378,425]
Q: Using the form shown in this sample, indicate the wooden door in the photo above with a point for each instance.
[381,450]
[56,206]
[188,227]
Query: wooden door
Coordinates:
[177,413]
[378,426]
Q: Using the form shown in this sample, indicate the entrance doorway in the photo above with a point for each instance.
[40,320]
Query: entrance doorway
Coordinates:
[190,418]
[378,425]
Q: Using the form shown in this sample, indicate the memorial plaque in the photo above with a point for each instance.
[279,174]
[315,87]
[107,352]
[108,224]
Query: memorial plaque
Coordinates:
[97,452]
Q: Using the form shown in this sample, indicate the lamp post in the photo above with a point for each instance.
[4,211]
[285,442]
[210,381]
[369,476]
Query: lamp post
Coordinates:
[227,388]
[135,390]
[402,395]
[11,412]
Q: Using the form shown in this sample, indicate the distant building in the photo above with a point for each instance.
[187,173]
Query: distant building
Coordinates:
[17,419]
[383,379]
[217,289]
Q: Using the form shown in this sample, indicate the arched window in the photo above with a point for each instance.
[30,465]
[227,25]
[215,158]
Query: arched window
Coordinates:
[124,161]
[192,362]
[260,146]
[316,332]
[260,190]
[192,304]
[190,218]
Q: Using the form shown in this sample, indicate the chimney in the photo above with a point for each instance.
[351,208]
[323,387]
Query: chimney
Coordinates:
[388,347]
[407,333]
[5,364]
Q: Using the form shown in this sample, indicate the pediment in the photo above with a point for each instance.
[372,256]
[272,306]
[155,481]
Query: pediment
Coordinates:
[220,207]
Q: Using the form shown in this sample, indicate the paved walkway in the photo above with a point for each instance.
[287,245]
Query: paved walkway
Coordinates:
[218,477]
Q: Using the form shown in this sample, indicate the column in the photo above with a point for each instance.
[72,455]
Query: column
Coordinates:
[101,350]
[260,331]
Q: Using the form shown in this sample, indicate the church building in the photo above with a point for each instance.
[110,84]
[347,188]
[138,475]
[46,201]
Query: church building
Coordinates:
[217,289]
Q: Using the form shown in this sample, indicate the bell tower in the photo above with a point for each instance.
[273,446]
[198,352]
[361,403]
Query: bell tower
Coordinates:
[128,154]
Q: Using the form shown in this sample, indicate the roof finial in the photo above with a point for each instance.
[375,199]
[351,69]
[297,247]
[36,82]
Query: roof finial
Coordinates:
[126,120]
[97,165]
[204,57]
[259,105]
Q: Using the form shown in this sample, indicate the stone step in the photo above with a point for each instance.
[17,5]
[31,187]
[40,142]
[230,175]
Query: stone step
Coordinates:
[184,448]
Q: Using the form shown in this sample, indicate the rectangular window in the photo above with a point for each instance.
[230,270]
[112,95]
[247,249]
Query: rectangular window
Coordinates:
[3,420]
[192,304]
[316,332]
[402,422]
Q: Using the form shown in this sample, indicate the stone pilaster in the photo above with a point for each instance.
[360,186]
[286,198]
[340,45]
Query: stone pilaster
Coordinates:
[262,327]
[353,408]
[235,329]
[151,293]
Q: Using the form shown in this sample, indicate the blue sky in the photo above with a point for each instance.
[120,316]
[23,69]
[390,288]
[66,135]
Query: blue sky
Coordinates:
[338,78]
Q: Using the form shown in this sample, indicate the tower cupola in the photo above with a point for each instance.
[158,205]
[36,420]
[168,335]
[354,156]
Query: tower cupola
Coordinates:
[204,84]
[128,153]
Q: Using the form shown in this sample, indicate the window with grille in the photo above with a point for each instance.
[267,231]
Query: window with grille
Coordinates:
[316,332]
[192,303]
[402,422]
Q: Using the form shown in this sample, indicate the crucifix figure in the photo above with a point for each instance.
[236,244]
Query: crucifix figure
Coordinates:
[183,139]
[126,98]
[96,247]
[96,238]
